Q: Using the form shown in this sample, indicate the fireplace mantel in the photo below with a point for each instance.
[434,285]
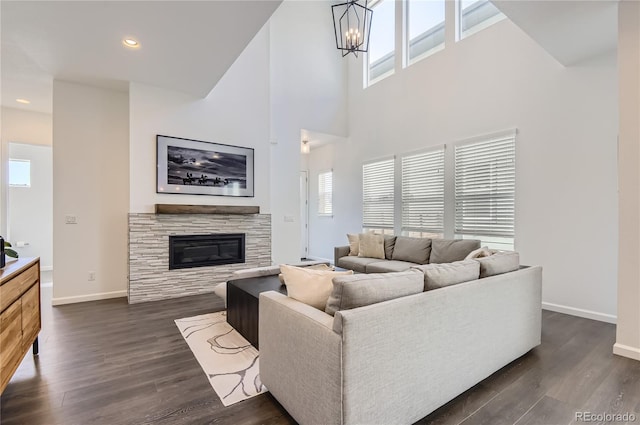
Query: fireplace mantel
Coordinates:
[206,209]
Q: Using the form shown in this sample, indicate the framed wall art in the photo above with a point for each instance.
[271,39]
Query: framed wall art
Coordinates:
[194,167]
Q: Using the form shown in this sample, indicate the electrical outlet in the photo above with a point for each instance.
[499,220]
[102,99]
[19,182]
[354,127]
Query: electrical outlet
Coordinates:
[92,276]
[70,219]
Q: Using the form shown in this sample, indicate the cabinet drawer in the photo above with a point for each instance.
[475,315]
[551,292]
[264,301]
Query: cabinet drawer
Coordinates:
[11,291]
[11,347]
[30,315]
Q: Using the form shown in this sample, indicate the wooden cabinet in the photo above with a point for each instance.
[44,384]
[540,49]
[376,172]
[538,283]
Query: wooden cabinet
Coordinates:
[19,314]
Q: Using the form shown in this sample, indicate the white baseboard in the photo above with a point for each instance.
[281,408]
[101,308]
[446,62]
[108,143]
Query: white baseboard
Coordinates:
[90,297]
[587,314]
[626,351]
[46,268]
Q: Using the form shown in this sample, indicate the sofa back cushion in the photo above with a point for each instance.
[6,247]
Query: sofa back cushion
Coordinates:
[445,274]
[309,286]
[371,246]
[498,263]
[364,289]
[413,250]
[450,250]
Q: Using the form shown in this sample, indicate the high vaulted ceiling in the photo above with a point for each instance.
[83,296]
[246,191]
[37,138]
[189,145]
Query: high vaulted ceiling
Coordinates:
[184,45]
[572,31]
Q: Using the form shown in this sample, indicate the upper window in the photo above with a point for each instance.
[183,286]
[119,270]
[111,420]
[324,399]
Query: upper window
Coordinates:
[475,15]
[423,194]
[381,56]
[19,173]
[485,186]
[377,194]
[325,193]
[425,28]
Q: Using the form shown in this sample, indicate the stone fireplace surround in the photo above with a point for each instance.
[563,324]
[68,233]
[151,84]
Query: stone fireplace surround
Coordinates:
[149,276]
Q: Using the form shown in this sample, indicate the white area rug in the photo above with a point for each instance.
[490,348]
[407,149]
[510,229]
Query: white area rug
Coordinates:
[228,360]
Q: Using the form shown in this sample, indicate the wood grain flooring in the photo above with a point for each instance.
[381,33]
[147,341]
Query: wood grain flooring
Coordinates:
[107,362]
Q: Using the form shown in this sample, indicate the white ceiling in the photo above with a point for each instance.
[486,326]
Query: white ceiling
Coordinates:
[184,45]
[572,31]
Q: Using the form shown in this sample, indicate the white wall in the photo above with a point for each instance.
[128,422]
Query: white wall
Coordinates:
[308,91]
[628,329]
[31,208]
[497,79]
[21,126]
[91,181]
[236,112]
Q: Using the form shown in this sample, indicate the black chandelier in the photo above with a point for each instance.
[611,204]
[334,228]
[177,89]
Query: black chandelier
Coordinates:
[352,26]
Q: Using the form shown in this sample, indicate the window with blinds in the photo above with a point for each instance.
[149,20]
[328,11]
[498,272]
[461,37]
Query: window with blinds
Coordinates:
[325,193]
[423,192]
[377,194]
[485,176]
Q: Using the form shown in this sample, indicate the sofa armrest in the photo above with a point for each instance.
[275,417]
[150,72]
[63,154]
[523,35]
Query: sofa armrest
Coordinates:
[339,252]
[300,359]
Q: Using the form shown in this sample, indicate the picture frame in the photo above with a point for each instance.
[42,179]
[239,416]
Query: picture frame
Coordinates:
[195,167]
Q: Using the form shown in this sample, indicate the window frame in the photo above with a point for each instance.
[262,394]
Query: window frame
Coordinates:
[14,160]
[435,155]
[321,200]
[462,34]
[368,81]
[408,60]
[500,186]
[391,197]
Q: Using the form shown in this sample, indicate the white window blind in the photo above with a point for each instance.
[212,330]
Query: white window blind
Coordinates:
[325,193]
[377,194]
[485,177]
[423,192]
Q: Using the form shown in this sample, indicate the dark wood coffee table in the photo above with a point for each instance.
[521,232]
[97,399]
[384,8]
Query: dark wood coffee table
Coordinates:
[242,303]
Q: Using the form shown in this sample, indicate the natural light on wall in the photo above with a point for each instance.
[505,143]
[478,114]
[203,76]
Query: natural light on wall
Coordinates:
[476,15]
[19,173]
[425,29]
[381,56]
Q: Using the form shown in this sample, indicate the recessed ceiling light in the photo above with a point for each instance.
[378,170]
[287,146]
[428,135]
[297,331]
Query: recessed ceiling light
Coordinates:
[130,42]
[23,101]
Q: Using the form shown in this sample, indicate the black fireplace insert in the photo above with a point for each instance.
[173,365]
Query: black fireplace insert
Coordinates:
[186,251]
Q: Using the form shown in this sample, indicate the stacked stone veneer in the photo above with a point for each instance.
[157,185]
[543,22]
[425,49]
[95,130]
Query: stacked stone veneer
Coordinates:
[149,275]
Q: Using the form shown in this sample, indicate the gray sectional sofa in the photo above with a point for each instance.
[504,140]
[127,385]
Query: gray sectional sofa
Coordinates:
[403,252]
[396,361]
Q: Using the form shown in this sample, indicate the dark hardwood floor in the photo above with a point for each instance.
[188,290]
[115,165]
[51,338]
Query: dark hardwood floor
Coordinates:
[107,362]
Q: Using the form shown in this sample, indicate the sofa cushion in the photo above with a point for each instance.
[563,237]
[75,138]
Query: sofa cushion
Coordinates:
[389,244]
[309,286]
[445,274]
[321,266]
[498,263]
[357,264]
[450,250]
[413,250]
[365,289]
[371,246]
[354,243]
[388,266]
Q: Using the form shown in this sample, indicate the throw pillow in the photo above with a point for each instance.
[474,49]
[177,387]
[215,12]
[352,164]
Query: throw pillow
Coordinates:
[354,243]
[312,267]
[371,246]
[498,263]
[389,244]
[479,253]
[365,289]
[450,250]
[413,250]
[441,275]
[309,286]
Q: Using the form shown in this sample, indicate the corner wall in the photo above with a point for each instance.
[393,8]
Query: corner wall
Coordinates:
[497,79]
[91,182]
[628,329]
